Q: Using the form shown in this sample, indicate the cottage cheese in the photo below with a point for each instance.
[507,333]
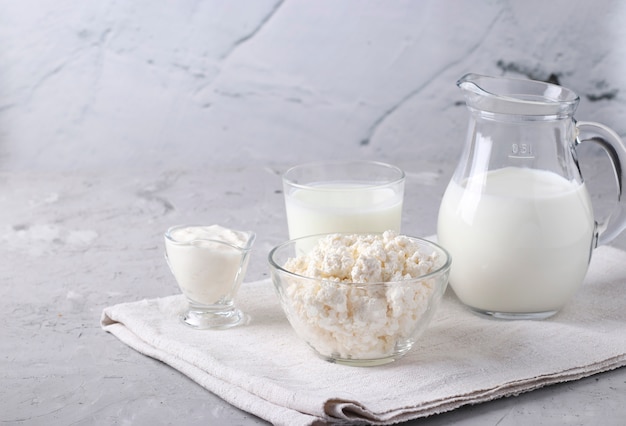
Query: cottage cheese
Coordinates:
[339,315]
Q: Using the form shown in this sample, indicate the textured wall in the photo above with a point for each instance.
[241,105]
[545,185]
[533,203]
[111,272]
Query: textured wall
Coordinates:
[198,83]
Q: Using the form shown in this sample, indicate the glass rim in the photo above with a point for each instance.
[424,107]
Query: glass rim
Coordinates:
[250,238]
[288,180]
[441,269]
[517,96]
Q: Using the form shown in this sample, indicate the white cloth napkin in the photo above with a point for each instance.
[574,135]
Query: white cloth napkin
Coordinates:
[462,358]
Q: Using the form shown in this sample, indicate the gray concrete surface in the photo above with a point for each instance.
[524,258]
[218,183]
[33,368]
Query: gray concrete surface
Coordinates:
[77,242]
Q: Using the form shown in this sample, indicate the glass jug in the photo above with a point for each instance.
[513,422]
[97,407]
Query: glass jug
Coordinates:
[516,216]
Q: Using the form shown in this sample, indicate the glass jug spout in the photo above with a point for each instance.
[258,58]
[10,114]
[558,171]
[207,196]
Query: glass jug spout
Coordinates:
[511,96]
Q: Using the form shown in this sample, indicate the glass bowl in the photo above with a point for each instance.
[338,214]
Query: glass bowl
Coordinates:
[355,323]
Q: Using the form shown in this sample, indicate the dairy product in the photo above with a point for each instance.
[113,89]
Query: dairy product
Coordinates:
[342,207]
[520,239]
[208,262]
[351,310]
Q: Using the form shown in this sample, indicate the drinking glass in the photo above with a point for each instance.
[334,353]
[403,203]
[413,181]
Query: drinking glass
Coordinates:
[209,270]
[343,196]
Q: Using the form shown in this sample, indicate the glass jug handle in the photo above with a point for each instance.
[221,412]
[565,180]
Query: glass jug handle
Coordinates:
[615,222]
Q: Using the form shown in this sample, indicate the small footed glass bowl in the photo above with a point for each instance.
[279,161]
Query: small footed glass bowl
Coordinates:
[359,324]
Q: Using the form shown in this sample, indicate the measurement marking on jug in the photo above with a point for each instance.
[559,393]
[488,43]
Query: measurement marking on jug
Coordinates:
[521,150]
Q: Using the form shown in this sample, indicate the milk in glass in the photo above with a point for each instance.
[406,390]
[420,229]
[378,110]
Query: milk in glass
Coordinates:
[343,207]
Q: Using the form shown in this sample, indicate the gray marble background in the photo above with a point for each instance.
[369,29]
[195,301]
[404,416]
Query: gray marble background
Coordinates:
[191,84]
[119,119]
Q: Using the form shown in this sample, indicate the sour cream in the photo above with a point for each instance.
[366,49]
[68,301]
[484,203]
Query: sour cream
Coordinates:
[208,262]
